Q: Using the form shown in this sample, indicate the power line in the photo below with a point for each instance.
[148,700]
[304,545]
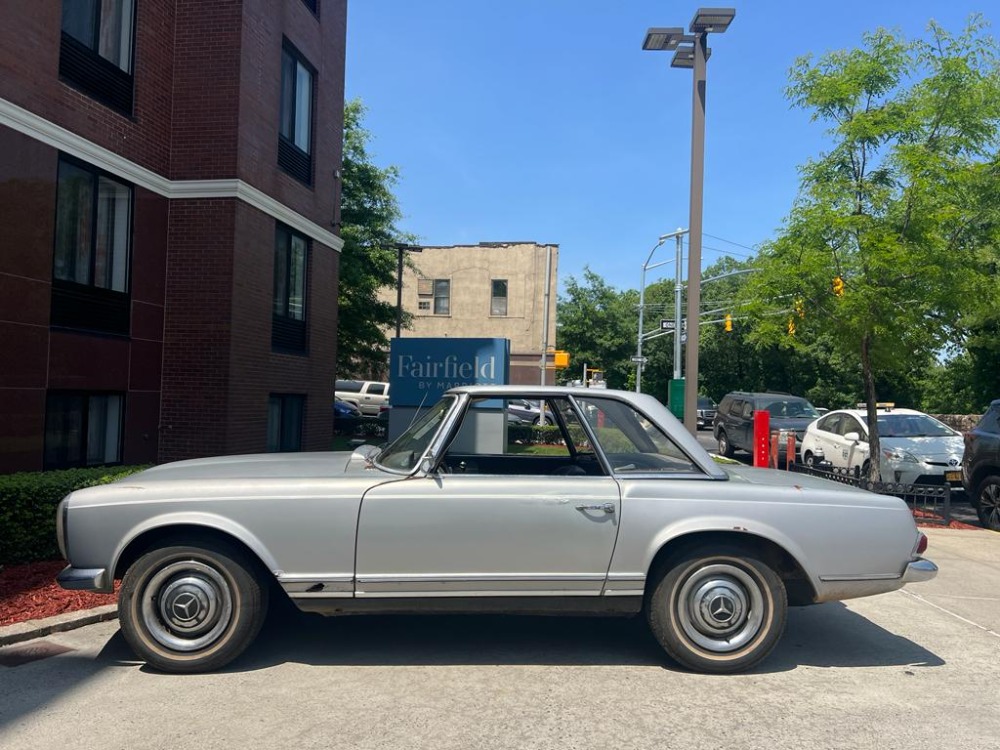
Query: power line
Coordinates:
[728,242]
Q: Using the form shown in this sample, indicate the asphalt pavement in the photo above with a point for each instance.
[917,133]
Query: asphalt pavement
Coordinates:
[918,668]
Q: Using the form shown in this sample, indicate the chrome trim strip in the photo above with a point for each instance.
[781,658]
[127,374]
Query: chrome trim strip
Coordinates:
[81,579]
[860,577]
[402,594]
[32,125]
[320,594]
[624,592]
[480,578]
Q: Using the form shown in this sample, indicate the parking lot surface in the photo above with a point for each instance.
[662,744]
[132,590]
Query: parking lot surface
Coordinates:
[918,668]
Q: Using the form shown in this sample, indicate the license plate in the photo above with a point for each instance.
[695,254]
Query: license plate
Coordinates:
[953,476]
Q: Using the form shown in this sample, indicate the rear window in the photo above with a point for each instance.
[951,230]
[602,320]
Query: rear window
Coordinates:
[991,420]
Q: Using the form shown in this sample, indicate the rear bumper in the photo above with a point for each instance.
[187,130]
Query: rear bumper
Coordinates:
[919,570]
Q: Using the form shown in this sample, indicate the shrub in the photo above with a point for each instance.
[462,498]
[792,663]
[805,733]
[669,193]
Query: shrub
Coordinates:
[28,503]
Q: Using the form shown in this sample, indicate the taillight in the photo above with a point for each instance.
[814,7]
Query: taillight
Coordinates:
[922,544]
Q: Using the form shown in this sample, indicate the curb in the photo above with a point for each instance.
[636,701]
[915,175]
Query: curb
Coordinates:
[30,629]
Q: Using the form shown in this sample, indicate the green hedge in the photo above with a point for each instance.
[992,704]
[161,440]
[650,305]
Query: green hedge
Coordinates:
[28,503]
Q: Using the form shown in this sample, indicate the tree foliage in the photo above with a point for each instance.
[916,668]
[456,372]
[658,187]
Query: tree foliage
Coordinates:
[903,208]
[368,262]
[598,327]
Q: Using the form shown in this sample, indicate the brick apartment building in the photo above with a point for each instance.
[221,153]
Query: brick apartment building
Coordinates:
[168,256]
[489,290]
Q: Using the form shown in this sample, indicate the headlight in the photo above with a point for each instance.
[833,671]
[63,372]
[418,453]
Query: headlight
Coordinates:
[896,454]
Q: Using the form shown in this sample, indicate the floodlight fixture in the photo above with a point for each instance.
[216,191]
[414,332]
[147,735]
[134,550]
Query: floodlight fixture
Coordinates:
[663,39]
[684,56]
[712,20]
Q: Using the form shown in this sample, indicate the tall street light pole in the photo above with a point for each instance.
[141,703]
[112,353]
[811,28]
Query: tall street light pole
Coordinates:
[402,248]
[692,51]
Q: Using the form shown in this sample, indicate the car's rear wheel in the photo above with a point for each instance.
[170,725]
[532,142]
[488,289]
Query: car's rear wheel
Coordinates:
[725,447]
[988,502]
[191,608]
[719,611]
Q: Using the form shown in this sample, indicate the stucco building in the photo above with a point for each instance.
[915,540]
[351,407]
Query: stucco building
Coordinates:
[168,204]
[489,290]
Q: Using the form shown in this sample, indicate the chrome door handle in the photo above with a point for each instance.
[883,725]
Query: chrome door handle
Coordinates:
[606,507]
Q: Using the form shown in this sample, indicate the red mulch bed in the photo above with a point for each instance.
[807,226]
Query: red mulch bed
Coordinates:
[30,592]
[926,518]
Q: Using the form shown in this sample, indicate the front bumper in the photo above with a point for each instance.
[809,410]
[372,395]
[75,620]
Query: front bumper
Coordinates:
[919,570]
[82,579]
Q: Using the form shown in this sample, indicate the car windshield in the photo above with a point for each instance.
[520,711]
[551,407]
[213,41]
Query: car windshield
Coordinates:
[789,408]
[404,452]
[705,403]
[911,425]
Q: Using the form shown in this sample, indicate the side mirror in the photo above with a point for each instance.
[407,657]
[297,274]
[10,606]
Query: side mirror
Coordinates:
[853,437]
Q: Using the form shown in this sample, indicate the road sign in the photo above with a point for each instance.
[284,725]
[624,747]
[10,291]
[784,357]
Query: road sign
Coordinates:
[640,360]
[667,325]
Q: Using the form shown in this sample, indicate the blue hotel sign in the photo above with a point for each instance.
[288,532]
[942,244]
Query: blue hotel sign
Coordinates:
[420,370]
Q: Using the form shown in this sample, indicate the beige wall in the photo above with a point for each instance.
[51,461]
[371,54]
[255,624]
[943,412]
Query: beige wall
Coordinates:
[471,269]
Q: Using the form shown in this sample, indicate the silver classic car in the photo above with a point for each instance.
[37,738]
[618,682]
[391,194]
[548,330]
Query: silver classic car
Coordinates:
[620,511]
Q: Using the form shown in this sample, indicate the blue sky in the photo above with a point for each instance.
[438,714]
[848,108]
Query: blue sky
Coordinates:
[545,120]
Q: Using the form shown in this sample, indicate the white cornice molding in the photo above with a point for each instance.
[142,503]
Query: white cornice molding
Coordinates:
[26,122]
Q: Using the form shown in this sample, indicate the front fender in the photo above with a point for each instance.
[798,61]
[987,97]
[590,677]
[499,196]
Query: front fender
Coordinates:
[210,521]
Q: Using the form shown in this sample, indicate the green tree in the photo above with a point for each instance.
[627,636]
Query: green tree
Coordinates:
[368,263]
[902,209]
[598,327]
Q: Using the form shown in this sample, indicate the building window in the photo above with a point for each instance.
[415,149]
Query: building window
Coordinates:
[295,132]
[312,5]
[83,429]
[291,256]
[424,305]
[442,297]
[498,297]
[284,422]
[91,257]
[96,49]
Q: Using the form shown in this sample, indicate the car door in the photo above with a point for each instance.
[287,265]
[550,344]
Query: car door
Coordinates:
[496,526]
[853,452]
[372,398]
[827,439]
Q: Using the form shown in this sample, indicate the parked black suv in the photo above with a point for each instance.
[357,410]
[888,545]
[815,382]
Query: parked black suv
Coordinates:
[706,412]
[981,467]
[733,426]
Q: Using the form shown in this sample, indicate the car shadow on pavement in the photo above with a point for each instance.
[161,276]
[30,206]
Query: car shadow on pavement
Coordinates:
[826,635]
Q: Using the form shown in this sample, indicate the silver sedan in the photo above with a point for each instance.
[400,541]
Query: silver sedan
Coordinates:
[624,513]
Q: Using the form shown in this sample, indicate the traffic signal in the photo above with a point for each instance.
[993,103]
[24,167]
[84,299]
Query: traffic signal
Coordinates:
[729,323]
[791,326]
[838,286]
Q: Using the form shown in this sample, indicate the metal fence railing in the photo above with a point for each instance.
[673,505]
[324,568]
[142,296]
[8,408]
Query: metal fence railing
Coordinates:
[930,503]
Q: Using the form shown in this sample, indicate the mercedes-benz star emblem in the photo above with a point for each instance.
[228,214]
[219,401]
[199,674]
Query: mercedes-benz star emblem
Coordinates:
[721,609]
[185,606]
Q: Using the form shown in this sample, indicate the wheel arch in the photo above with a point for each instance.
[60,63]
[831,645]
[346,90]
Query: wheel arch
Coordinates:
[185,530]
[798,584]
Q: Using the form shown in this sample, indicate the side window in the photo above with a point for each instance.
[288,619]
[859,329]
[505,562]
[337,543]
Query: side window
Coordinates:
[376,389]
[747,409]
[93,233]
[95,51]
[991,420]
[295,121]
[498,297]
[83,429]
[284,422]
[291,257]
[631,442]
[442,296]
[850,424]
[349,386]
[736,407]
[830,423]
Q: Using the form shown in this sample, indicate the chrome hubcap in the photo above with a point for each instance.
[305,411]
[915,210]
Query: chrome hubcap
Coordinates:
[720,607]
[187,605]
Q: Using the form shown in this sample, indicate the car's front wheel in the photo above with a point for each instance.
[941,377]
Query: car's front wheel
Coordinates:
[988,502]
[719,611]
[191,608]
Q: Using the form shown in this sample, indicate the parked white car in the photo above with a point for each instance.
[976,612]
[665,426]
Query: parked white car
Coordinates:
[916,448]
[368,395]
